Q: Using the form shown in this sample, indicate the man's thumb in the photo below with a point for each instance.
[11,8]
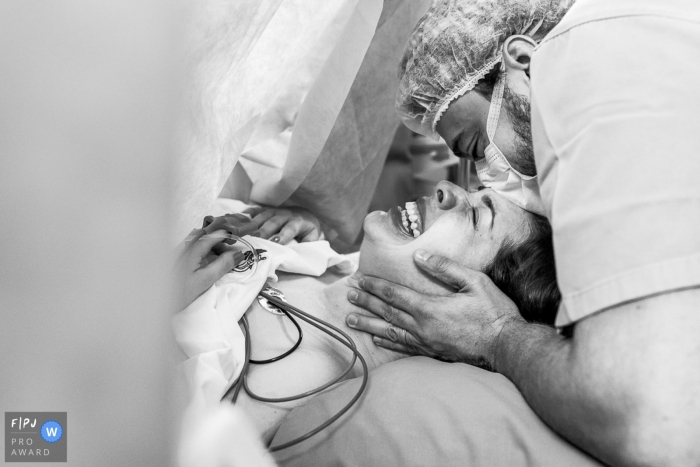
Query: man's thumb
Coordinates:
[446,270]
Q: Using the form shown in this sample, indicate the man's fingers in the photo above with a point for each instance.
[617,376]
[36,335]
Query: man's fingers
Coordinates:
[447,271]
[375,326]
[391,345]
[382,309]
[413,347]
[396,295]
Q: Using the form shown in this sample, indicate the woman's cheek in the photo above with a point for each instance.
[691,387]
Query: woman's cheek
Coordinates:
[445,245]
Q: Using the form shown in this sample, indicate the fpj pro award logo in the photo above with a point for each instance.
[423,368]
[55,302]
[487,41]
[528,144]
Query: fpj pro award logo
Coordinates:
[36,437]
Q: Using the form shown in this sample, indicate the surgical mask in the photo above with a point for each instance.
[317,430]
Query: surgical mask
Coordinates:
[495,171]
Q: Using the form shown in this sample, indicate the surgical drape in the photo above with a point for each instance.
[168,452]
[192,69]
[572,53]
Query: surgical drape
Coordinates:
[301,93]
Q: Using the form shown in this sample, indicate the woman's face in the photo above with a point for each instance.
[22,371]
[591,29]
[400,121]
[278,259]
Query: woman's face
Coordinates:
[468,228]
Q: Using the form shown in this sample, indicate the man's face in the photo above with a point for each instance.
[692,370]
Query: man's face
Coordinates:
[463,127]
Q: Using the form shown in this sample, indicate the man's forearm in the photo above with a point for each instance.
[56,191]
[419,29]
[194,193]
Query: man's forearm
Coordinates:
[538,361]
[622,387]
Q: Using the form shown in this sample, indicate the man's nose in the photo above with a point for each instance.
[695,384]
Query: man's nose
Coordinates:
[448,195]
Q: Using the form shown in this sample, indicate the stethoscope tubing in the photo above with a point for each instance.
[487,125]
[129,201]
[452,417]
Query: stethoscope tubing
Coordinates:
[289,310]
[288,352]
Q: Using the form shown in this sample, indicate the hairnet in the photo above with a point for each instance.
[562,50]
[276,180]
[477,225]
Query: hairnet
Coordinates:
[456,44]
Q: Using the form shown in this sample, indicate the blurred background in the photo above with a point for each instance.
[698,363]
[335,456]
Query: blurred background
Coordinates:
[121,123]
[88,99]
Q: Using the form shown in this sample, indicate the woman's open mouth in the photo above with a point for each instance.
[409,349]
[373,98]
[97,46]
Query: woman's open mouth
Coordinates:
[412,219]
[408,220]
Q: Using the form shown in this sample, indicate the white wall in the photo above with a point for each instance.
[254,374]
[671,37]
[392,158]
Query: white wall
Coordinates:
[87,97]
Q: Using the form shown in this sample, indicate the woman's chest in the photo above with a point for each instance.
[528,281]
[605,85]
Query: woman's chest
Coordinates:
[273,333]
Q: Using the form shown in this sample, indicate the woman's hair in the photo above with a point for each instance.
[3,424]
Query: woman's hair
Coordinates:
[525,272]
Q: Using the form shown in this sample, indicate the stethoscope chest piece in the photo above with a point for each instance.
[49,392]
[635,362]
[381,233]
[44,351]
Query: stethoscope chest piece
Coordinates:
[272,308]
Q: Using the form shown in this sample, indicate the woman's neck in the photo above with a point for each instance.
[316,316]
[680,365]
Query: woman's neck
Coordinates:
[329,302]
[335,298]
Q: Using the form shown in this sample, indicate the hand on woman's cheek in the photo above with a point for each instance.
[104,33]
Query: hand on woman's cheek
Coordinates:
[391,258]
[467,228]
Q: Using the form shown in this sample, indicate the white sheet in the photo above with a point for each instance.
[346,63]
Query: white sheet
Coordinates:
[208,333]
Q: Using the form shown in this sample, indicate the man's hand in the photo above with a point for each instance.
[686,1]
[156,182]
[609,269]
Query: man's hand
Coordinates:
[463,326]
[282,225]
[205,258]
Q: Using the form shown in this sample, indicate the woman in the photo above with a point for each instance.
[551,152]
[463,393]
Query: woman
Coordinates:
[481,230]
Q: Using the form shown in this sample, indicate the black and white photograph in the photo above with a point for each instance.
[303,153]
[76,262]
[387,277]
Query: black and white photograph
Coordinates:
[350,233]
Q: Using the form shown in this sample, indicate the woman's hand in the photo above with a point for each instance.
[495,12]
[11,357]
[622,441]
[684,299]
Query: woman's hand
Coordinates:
[282,225]
[205,258]
[463,326]
[235,224]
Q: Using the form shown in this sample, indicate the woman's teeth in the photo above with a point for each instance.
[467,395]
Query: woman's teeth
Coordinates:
[411,219]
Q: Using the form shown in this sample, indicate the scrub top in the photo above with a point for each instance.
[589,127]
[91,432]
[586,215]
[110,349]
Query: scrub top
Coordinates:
[616,133]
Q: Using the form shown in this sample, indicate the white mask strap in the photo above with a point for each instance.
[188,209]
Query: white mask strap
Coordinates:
[495,107]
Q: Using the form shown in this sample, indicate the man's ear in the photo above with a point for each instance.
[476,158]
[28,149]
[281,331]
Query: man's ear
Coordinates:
[517,52]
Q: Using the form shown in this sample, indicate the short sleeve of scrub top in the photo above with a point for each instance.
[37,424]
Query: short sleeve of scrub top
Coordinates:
[616,132]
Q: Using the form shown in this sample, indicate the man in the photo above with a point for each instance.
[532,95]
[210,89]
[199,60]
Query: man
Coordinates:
[614,124]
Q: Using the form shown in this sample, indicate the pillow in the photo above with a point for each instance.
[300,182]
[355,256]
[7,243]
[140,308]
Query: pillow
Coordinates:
[421,412]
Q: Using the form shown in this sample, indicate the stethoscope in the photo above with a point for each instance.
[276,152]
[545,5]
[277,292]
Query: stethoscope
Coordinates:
[274,301]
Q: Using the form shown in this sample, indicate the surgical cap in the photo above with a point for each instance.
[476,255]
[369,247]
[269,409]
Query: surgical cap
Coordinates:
[456,44]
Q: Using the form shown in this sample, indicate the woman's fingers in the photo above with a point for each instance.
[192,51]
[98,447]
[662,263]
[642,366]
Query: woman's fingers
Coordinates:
[382,309]
[246,227]
[263,217]
[223,264]
[235,224]
[300,229]
[272,227]
[194,236]
[205,243]
[308,231]
[254,211]
[312,236]
[289,232]
[444,269]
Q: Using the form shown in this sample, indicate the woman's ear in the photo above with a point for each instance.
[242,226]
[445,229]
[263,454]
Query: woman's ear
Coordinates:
[517,52]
